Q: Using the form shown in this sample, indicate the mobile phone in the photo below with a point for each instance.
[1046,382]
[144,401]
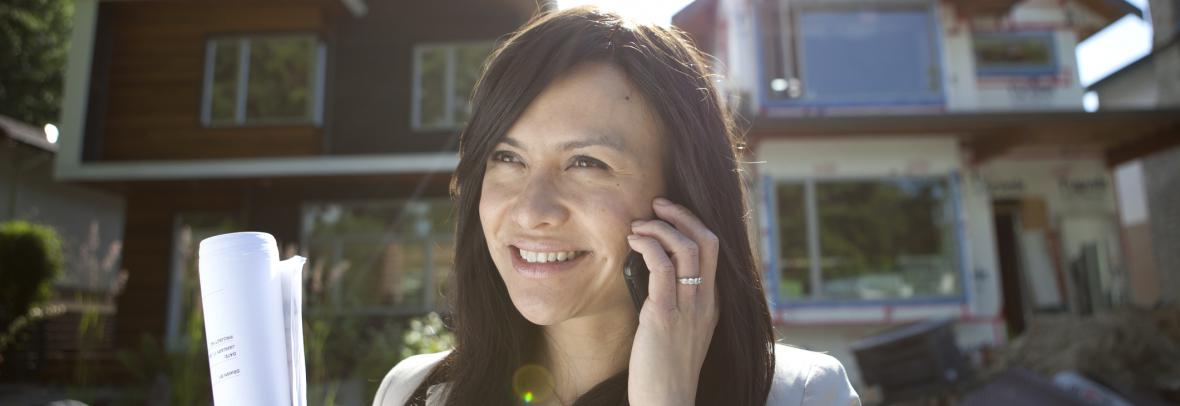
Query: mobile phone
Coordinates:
[635,274]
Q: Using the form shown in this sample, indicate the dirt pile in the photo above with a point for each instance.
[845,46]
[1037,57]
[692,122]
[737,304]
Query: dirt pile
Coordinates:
[1127,349]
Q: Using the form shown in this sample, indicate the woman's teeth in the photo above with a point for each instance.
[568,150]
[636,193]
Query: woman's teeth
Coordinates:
[543,257]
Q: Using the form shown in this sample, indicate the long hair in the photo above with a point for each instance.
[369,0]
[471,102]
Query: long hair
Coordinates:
[702,173]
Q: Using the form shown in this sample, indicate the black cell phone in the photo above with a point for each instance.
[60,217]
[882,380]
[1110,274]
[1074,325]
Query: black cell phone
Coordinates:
[635,274]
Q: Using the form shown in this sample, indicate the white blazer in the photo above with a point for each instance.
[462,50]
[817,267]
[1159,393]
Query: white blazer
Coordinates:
[801,378]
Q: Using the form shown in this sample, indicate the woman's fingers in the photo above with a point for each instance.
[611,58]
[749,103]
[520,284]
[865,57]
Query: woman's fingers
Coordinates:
[661,285]
[688,224]
[676,324]
[692,248]
[685,255]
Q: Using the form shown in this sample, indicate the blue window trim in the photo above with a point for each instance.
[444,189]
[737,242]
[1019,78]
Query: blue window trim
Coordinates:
[771,274]
[938,102]
[832,303]
[770,248]
[1021,71]
[961,236]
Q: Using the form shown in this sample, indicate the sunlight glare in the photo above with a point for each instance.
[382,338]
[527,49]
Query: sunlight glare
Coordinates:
[650,11]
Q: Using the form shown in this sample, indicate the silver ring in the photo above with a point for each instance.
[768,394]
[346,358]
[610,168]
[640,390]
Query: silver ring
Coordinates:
[696,280]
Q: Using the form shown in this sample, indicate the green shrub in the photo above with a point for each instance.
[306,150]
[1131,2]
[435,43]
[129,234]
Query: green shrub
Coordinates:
[30,260]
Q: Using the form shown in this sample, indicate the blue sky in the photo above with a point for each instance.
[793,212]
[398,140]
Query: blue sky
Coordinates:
[1102,54]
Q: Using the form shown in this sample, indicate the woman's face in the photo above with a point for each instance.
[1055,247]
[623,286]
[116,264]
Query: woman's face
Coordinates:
[561,191]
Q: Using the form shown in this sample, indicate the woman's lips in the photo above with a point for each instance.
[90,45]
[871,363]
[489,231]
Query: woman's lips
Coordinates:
[535,270]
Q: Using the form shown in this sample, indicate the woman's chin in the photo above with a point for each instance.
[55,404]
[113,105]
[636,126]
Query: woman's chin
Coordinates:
[543,312]
[542,317]
[540,311]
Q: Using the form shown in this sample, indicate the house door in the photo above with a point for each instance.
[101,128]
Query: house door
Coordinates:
[1006,214]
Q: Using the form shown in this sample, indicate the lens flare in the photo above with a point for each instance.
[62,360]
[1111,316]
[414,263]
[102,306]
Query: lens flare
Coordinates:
[532,383]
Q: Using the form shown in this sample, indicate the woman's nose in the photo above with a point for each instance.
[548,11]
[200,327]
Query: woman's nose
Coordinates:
[539,204]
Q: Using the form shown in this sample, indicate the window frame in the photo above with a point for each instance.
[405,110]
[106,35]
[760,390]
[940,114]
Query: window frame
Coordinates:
[1050,69]
[450,69]
[786,14]
[429,242]
[774,258]
[178,267]
[317,81]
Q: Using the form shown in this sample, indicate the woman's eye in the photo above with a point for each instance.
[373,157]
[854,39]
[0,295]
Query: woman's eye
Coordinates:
[505,157]
[582,161]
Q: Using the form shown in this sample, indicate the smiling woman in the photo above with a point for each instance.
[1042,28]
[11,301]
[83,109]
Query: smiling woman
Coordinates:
[583,158]
[593,139]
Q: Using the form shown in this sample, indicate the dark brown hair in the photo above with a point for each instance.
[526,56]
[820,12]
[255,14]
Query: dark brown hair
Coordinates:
[702,173]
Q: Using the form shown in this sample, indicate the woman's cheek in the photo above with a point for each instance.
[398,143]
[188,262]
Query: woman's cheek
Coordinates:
[493,197]
[610,207]
[496,188]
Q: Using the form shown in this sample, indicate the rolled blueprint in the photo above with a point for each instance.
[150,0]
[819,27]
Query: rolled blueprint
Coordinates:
[253,321]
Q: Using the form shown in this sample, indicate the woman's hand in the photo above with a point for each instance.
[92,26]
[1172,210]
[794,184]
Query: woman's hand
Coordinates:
[676,322]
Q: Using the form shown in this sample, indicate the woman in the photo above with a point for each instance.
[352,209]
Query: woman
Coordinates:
[592,137]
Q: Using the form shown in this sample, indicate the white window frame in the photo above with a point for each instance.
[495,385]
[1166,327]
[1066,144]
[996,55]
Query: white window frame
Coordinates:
[240,119]
[450,69]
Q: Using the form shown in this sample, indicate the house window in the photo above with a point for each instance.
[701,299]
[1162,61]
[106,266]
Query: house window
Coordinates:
[381,258]
[263,80]
[1014,53]
[444,75]
[850,54]
[868,239]
[185,324]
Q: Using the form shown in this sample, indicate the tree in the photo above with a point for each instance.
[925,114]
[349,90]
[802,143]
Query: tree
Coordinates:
[34,40]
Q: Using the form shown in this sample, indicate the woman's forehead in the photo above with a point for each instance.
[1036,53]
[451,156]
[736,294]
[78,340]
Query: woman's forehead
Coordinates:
[594,103]
[590,138]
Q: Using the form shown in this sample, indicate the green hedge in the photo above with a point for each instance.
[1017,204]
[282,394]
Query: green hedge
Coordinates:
[30,260]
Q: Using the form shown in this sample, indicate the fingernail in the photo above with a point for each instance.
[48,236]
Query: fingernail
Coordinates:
[663,202]
[632,237]
[636,223]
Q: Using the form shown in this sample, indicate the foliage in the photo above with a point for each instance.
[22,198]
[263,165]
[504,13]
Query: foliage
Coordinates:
[179,378]
[347,349]
[96,267]
[341,349]
[30,259]
[13,333]
[329,351]
[427,334]
[34,39]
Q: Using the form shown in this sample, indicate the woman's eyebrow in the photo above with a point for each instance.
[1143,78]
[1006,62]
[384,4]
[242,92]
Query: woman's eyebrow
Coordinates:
[603,140]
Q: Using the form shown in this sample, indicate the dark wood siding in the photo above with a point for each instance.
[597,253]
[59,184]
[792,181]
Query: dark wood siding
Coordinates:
[150,109]
[147,251]
[268,205]
[372,68]
[149,58]
[153,94]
